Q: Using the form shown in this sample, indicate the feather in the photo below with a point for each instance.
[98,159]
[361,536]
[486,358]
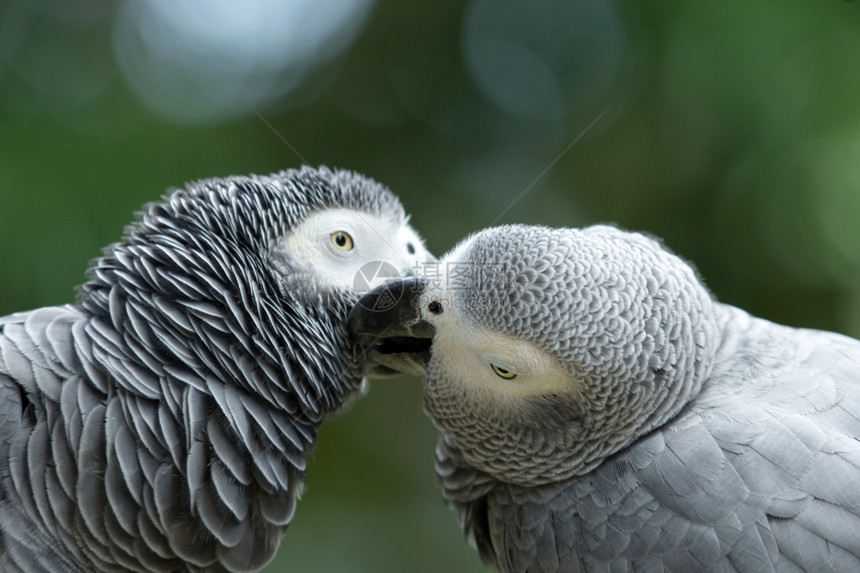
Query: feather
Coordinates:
[280,509]
[36,464]
[90,493]
[125,450]
[197,469]
[221,524]
[253,551]
[122,506]
[172,435]
[230,402]
[231,492]
[84,350]
[62,506]
[228,453]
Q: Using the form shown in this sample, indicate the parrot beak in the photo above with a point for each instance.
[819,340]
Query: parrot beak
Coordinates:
[387,325]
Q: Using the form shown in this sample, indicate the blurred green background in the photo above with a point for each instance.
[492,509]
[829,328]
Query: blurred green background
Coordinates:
[731,129]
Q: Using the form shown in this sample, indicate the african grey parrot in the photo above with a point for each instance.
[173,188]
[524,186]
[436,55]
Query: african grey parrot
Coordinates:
[162,422]
[600,411]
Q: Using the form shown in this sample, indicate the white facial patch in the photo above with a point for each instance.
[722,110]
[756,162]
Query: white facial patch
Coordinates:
[335,244]
[469,354]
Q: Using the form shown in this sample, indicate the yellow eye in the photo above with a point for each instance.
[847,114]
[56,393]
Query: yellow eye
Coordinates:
[502,373]
[342,240]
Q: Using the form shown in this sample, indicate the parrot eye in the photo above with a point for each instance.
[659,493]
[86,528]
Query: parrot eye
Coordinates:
[342,240]
[502,373]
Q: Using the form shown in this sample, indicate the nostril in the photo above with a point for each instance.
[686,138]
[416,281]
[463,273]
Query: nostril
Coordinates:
[410,248]
[435,307]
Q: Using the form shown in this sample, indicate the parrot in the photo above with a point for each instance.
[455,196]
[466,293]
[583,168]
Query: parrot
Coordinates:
[599,410]
[162,422]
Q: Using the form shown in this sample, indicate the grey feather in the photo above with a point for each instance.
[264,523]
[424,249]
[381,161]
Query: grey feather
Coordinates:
[687,436]
[162,423]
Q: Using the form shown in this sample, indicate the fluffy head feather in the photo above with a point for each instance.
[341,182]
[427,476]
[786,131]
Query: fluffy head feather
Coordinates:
[558,347]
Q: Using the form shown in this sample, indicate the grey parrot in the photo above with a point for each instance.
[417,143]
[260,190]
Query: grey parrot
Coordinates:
[600,411]
[162,422]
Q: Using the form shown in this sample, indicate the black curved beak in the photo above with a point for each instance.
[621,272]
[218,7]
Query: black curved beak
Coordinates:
[387,325]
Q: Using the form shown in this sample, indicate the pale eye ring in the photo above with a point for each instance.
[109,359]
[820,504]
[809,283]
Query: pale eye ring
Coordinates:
[342,240]
[503,372]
